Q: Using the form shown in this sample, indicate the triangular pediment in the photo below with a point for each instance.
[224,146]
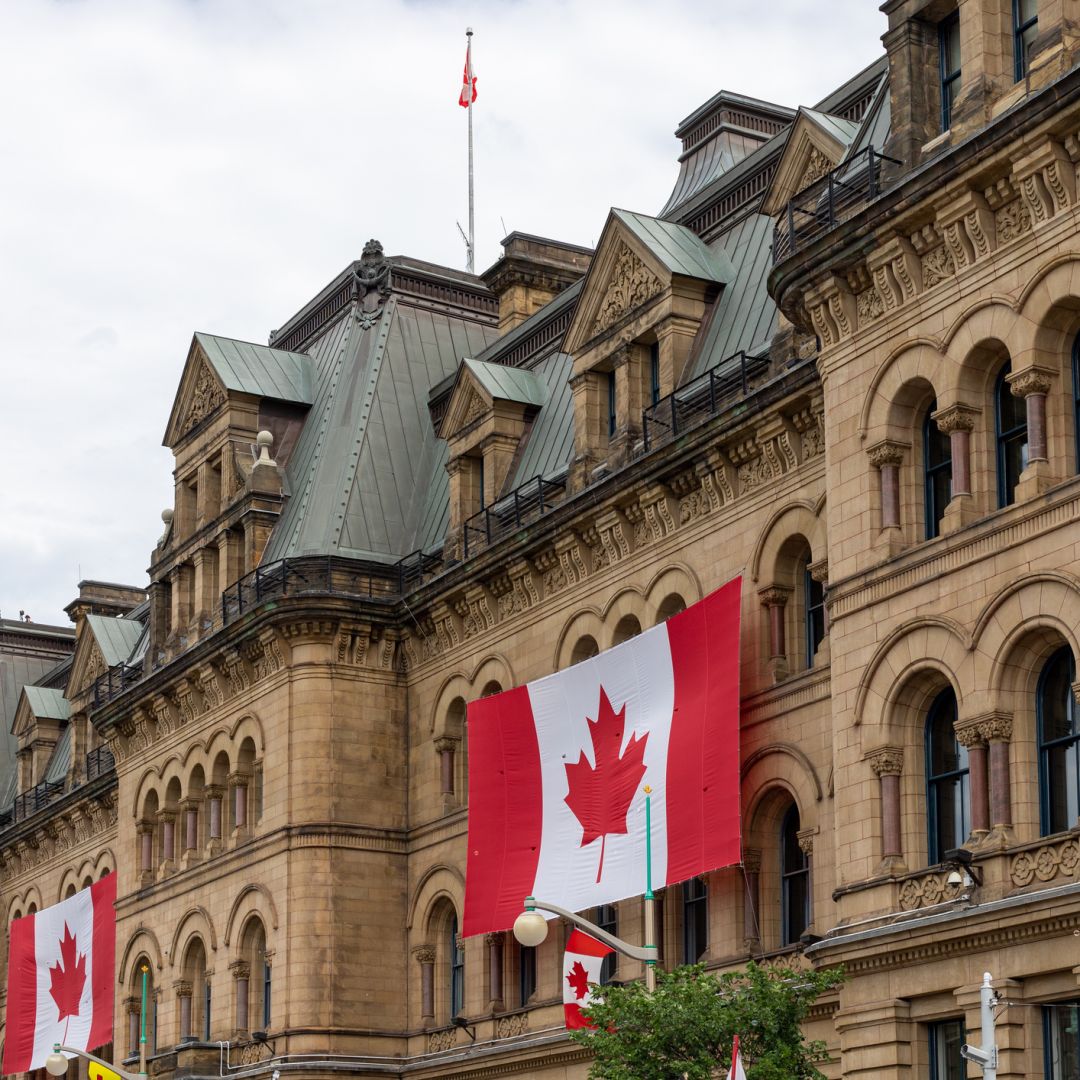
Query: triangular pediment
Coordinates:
[817,142]
[479,385]
[469,402]
[199,395]
[635,262]
[38,703]
[86,665]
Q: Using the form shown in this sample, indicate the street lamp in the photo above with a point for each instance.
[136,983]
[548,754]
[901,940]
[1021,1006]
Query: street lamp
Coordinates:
[56,1065]
[530,929]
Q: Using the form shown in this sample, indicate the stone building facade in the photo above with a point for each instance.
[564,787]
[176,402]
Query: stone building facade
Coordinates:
[842,361]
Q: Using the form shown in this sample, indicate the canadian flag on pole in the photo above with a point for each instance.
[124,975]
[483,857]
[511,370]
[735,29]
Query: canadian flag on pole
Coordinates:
[60,978]
[468,84]
[582,961]
[558,768]
[736,1072]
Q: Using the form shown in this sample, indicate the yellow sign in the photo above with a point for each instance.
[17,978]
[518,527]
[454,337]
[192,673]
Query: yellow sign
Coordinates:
[97,1071]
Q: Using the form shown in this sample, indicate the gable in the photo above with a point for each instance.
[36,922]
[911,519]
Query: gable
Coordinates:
[468,403]
[199,396]
[816,144]
[87,664]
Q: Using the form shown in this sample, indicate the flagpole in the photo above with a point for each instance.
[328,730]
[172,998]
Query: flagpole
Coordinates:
[650,900]
[471,267]
[142,1035]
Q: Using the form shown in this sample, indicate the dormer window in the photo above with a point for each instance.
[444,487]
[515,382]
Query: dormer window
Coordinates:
[1025,27]
[949,51]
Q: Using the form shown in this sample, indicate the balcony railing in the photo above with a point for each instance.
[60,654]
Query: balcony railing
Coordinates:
[37,798]
[837,196]
[99,762]
[522,506]
[115,681]
[717,389]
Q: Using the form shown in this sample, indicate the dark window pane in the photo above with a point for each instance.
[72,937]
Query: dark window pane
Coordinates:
[606,918]
[1076,398]
[527,974]
[611,403]
[946,1038]
[1011,418]
[794,880]
[1059,744]
[947,795]
[654,374]
[695,919]
[1061,1027]
[937,463]
[814,593]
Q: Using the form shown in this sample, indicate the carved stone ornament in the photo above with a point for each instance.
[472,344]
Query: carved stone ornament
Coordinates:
[475,407]
[1012,221]
[1046,863]
[1030,381]
[957,417]
[424,954]
[508,1026]
[372,274]
[869,306]
[206,398]
[817,166]
[631,284]
[937,265]
[927,890]
[887,760]
[886,453]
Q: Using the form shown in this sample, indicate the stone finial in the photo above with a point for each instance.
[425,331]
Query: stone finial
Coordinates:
[264,440]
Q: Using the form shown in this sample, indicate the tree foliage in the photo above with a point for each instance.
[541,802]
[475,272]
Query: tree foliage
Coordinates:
[686,1028]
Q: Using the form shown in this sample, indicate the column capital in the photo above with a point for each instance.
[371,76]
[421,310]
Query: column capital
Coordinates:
[190,802]
[956,417]
[424,954]
[213,791]
[774,595]
[969,732]
[446,742]
[1030,380]
[240,776]
[819,570]
[887,760]
[995,726]
[166,817]
[805,838]
[751,860]
[887,452]
[240,969]
[495,939]
[182,988]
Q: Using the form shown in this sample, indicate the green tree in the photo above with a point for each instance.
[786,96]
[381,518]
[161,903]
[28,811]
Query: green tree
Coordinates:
[686,1028]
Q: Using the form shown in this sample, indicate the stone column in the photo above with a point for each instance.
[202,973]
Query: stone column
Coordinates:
[806,846]
[241,973]
[239,781]
[167,820]
[1033,384]
[446,747]
[774,599]
[145,832]
[887,457]
[183,993]
[958,421]
[190,810]
[132,1007]
[969,735]
[425,957]
[888,763]
[214,796]
[996,729]
[495,945]
[751,900]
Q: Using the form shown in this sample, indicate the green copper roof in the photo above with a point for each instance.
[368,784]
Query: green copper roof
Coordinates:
[116,638]
[258,369]
[508,383]
[46,703]
[679,249]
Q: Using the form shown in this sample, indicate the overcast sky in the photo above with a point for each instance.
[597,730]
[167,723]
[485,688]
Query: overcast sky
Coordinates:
[181,165]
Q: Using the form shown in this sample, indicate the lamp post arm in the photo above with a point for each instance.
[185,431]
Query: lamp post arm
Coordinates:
[635,952]
[109,1069]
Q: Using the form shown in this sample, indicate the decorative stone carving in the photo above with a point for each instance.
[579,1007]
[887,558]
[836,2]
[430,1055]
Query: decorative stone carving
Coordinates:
[237,671]
[632,284]
[476,616]
[373,272]
[817,166]
[441,1040]
[1030,381]
[1012,221]
[887,760]
[475,407]
[1046,863]
[937,266]
[507,1027]
[206,397]
[927,890]
[886,453]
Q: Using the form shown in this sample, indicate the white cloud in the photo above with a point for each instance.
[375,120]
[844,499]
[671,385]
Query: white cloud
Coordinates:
[175,165]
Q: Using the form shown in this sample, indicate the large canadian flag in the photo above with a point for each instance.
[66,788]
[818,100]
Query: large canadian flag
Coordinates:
[61,972]
[558,771]
[582,961]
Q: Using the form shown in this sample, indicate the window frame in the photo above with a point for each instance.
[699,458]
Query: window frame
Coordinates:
[1020,58]
[654,373]
[1071,743]
[613,416]
[947,78]
[526,974]
[813,614]
[960,777]
[1049,1012]
[789,877]
[457,970]
[1076,397]
[934,1035]
[606,916]
[1006,491]
[267,990]
[695,901]
[933,513]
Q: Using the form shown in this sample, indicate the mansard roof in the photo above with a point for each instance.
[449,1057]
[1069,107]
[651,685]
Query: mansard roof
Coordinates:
[506,383]
[367,463]
[116,638]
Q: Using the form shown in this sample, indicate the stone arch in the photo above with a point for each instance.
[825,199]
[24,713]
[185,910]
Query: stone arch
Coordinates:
[493,668]
[219,747]
[252,898]
[916,372]
[439,880]
[932,641]
[32,900]
[142,941]
[624,616]
[671,587]
[149,781]
[456,686]
[800,517]
[248,727]
[195,921]
[800,759]
[588,623]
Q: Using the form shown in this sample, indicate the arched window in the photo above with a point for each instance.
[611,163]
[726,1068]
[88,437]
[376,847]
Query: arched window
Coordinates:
[1059,744]
[695,899]
[253,999]
[1012,446]
[195,1010]
[1076,397]
[814,612]
[457,969]
[947,796]
[937,472]
[607,918]
[794,880]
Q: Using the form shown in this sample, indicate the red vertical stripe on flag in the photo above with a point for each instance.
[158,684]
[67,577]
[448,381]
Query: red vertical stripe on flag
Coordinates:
[21,998]
[703,819]
[505,810]
[103,895]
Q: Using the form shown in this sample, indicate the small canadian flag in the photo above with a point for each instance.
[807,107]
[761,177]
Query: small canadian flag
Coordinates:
[736,1072]
[468,80]
[61,970]
[582,961]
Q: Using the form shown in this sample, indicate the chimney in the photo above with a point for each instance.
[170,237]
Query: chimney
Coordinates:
[532,272]
[103,598]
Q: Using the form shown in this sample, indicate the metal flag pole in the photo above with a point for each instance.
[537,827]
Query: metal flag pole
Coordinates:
[142,1035]
[471,266]
[650,899]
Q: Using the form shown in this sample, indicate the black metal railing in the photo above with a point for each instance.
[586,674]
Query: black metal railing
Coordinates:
[523,505]
[115,681]
[710,393]
[99,762]
[827,202]
[37,798]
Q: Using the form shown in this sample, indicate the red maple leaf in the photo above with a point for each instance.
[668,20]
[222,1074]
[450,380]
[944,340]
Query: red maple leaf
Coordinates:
[600,795]
[578,980]
[68,976]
